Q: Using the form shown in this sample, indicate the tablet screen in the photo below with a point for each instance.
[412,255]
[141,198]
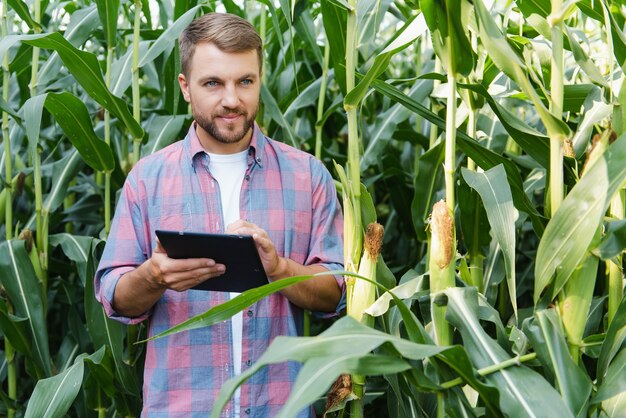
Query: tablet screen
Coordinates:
[238,253]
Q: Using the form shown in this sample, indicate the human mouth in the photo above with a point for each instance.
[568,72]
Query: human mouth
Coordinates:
[230,117]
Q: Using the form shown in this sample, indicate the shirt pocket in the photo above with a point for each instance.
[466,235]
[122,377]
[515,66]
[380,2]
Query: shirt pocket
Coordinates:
[171,216]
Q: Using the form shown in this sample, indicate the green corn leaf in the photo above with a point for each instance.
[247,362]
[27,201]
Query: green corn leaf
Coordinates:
[273,110]
[619,112]
[5,107]
[318,374]
[73,117]
[15,329]
[614,382]
[228,309]
[102,369]
[595,111]
[162,131]
[594,9]
[428,178]
[570,232]
[108,10]
[22,11]
[85,68]
[530,7]
[613,243]
[582,59]
[63,171]
[523,392]
[22,287]
[386,124]
[83,23]
[484,157]
[495,193]
[334,17]
[412,30]
[54,396]
[613,342]
[76,248]
[275,21]
[614,406]
[33,108]
[370,15]
[548,340]
[457,359]
[107,332]
[533,142]
[122,67]
[508,61]
[166,41]
[343,340]
[305,29]
[307,97]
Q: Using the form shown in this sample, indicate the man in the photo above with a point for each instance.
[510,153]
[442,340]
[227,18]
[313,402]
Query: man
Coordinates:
[225,176]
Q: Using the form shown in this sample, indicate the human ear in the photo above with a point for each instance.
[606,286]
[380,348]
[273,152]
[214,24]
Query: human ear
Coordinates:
[184,86]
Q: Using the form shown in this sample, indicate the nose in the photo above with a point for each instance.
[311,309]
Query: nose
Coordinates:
[230,98]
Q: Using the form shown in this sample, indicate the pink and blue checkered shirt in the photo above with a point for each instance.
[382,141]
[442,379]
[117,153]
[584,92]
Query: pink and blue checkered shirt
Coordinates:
[288,193]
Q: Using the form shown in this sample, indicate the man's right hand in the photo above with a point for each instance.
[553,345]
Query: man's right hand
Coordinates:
[180,274]
[139,289]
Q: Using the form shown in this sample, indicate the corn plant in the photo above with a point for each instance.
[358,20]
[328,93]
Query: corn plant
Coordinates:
[487,138]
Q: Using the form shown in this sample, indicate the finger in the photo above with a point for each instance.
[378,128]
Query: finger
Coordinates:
[187,265]
[180,281]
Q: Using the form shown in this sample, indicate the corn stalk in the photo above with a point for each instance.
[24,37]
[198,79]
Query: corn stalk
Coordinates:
[135,71]
[353,234]
[319,124]
[8,220]
[616,273]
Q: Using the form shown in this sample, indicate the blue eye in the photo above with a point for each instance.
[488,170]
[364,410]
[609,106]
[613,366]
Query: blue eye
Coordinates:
[246,82]
[211,83]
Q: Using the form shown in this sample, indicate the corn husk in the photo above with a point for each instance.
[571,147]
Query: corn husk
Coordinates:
[364,293]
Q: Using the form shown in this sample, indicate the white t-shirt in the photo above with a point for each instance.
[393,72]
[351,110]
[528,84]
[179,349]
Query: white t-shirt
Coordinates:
[229,170]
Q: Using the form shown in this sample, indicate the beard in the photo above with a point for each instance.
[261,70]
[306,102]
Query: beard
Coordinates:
[229,134]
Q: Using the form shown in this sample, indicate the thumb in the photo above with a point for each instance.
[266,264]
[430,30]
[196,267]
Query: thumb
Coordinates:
[159,248]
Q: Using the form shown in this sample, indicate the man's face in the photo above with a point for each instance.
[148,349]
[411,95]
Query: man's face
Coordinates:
[223,90]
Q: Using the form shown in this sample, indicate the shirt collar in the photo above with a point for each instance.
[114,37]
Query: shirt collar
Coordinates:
[255,149]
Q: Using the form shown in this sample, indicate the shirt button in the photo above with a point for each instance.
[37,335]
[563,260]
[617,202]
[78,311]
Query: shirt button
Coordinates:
[247,411]
[258,160]
[250,313]
[249,362]
[247,177]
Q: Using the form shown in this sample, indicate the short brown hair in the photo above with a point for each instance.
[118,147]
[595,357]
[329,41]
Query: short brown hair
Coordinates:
[228,32]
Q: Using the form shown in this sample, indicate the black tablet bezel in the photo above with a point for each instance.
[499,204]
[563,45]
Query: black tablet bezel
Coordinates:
[238,253]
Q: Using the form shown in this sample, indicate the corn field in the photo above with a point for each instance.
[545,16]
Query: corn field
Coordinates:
[487,139]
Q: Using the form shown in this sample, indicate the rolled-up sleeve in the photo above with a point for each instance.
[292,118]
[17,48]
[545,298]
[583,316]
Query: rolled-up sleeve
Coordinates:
[124,251]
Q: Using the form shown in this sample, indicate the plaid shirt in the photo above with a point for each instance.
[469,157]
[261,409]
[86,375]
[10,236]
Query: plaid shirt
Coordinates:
[286,192]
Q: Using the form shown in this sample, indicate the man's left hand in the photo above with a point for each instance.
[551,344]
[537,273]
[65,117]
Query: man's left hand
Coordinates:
[269,257]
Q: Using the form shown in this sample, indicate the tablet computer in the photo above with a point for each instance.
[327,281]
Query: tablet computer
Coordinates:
[238,253]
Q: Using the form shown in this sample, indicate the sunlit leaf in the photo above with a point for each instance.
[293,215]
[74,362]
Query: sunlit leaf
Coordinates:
[570,231]
[54,396]
[523,392]
[165,42]
[495,193]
